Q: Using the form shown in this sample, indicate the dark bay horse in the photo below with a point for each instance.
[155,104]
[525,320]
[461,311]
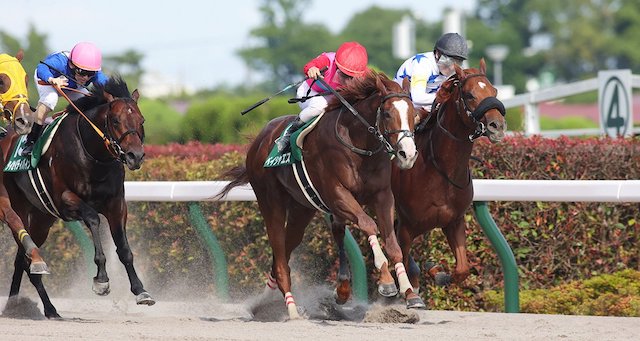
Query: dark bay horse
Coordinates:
[438,190]
[80,176]
[349,169]
[16,110]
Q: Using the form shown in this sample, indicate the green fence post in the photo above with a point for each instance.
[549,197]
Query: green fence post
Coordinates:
[216,254]
[500,245]
[356,264]
[85,242]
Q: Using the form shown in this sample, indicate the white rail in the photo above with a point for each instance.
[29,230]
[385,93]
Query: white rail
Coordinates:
[485,190]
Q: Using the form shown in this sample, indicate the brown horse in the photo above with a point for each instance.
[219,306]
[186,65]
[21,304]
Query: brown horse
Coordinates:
[81,176]
[438,190]
[349,168]
[15,108]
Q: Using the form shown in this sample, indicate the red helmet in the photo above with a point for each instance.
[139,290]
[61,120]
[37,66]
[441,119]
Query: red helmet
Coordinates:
[351,59]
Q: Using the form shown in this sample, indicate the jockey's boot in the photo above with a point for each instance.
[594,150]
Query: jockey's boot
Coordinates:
[283,141]
[31,139]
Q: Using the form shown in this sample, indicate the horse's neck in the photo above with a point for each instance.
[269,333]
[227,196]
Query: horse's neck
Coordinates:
[451,152]
[91,142]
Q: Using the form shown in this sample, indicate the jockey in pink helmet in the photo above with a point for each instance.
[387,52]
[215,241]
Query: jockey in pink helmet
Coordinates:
[349,61]
[70,71]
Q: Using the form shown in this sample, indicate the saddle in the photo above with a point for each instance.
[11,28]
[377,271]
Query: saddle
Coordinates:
[293,154]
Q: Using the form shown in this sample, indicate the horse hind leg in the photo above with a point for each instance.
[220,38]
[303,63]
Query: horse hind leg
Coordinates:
[22,237]
[21,265]
[343,284]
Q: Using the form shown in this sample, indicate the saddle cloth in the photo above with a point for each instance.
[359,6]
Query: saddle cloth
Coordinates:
[19,163]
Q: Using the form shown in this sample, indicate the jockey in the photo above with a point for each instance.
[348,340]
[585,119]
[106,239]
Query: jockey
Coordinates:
[74,71]
[427,71]
[350,60]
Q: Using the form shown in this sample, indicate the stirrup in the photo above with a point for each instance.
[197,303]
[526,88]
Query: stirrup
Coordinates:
[27,150]
[282,143]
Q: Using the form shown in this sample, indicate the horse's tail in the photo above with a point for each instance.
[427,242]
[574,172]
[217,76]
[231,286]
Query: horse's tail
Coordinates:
[240,177]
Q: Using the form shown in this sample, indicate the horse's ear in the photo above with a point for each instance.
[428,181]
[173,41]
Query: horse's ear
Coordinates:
[135,95]
[483,67]
[381,87]
[109,97]
[20,55]
[459,71]
[406,85]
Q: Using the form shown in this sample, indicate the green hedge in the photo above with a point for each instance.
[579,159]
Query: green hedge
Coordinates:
[554,243]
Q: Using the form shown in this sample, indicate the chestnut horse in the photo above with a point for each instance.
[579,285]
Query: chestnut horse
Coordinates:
[16,109]
[438,190]
[81,176]
[349,169]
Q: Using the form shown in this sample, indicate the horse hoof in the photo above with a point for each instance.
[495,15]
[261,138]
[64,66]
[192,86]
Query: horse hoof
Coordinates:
[145,298]
[442,279]
[101,288]
[416,303]
[39,268]
[387,290]
[341,297]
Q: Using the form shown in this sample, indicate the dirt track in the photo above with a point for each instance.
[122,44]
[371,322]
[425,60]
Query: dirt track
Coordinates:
[105,318]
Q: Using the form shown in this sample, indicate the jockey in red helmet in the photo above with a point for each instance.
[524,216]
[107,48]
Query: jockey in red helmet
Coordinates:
[67,70]
[349,61]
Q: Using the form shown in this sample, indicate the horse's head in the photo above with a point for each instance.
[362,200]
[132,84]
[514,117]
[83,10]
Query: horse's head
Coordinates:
[124,129]
[477,98]
[395,116]
[13,93]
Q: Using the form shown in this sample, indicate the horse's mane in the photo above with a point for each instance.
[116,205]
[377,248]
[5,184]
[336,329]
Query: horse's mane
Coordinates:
[116,86]
[446,88]
[360,88]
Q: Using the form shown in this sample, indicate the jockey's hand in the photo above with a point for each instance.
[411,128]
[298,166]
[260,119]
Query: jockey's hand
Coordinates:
[314,73]
[59,81]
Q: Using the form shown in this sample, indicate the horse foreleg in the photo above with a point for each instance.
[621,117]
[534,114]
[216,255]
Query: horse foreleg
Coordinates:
[456,237]
[116,215]
[405,241]
[343,285]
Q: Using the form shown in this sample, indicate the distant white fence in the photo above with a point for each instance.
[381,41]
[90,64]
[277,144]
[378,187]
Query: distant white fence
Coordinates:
[484,190]
[531,100]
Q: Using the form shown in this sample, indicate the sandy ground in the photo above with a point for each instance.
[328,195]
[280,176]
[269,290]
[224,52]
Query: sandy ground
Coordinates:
[119,319]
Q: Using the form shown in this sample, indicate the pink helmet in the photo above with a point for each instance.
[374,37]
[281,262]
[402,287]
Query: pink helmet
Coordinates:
[351,58]
[86,56]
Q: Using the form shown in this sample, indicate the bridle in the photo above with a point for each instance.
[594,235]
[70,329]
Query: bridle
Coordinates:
[462,106]
[111,142]
[382,137]
[476,115]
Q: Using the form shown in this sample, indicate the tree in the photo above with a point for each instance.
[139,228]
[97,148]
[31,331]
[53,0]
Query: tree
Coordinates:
[34,49]
[285,43]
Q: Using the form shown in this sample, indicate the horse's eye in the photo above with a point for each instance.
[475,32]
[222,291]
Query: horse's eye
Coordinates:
[469,96]
[116,121]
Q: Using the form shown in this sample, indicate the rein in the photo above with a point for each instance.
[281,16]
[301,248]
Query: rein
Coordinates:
[476,115]
[112,145]
[371,129]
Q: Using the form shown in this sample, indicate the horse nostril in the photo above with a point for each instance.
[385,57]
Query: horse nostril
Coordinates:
[402,154]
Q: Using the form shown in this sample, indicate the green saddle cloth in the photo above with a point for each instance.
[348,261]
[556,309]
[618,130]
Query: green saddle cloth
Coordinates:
[19,163]
[291,155]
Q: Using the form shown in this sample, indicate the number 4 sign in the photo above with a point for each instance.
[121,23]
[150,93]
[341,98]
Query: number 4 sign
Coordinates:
[614,101]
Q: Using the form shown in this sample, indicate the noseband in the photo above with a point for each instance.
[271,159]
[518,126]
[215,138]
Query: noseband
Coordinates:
[382,137]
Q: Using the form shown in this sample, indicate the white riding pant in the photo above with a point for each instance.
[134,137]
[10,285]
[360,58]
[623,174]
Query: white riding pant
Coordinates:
[312,107]
[49,95]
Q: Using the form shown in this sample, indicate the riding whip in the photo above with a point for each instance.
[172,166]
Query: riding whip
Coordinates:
[264,100]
